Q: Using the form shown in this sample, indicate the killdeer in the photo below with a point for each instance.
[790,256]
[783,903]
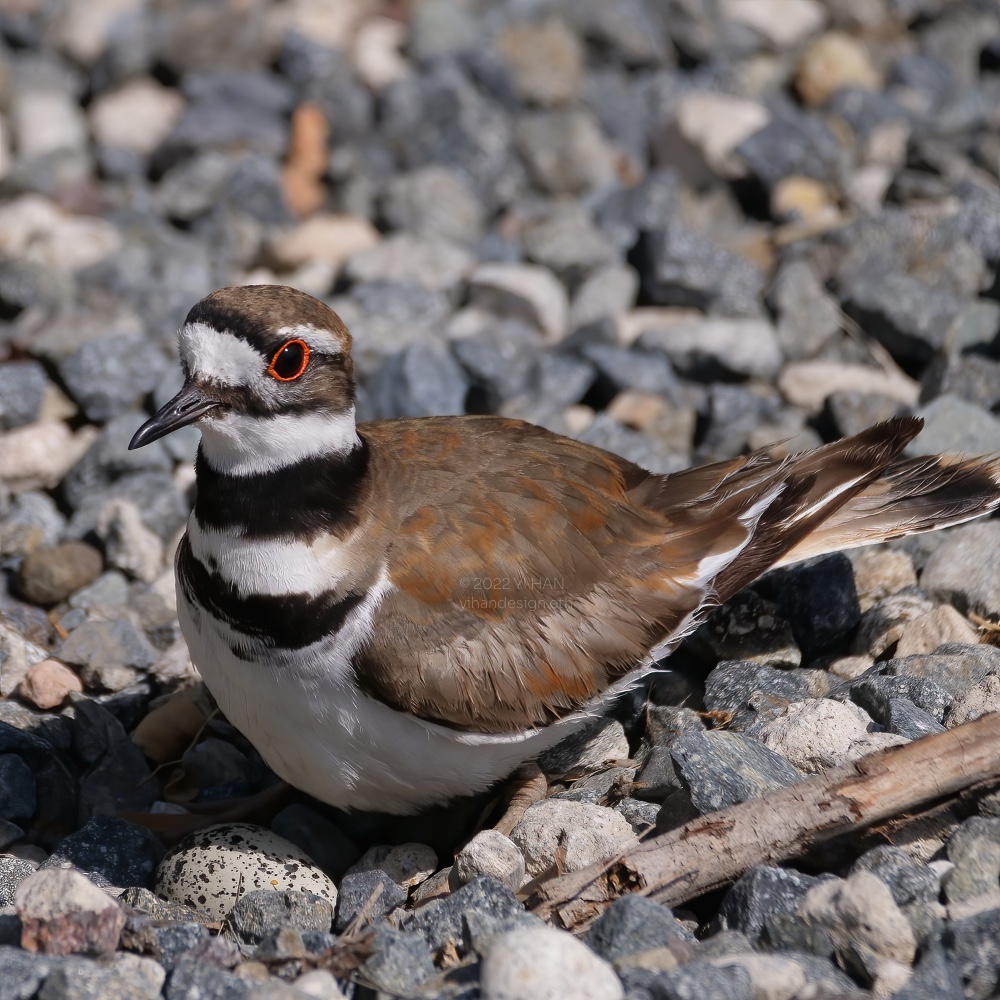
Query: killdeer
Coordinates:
[404,611]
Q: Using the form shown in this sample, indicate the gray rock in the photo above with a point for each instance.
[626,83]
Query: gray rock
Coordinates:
[974,849]
[322,840]
[195,979]
[434,201]
[952,424]
[13,871]
[22,972]
[685,268]
[852,412]
[748,628]
[422,380]
[564,151]
[167,942]
[880,684]
[109,654]
[642,815]
[697,981]
[973,945]
[399,961]
[357,891]
[22,384]
[568,243]
[721,768]
[17,788]
[808,316]
[905,719]
[33,520]
[123,853]
[445,921]
[819,600]
[935,976]
[960,569]
[796,143]
[969,377]
[649,453]
[606,294]
[908,880]
[751,691]
[762,892]
[108,377]
[259,912]
[639,370]
[500,359]
[633,924]
[163,507]
[403,259]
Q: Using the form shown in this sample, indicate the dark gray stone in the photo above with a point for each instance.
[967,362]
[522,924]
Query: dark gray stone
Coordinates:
[632,369]
[819,601]
[720,768]
[22,384]
[749,628]
[793,142]
[322,840]
[261,911]
[500,360]
[124,853]
[13,871]
[355,892]
[678,266]
[632,924]
[95,731]
[903,718]
[760,893]
[399,961]
[881,684]
[21,972]
[697,981]
[163,507]
[852,412]
[194,979]
[642,815]
[9,833]
[561,380]
[783,932]
[17,788]
[935,976]
[751,691]
[657,777]
[970,377]
[420,381]
[908,880]
[441,921]
[973,946]
[168,943]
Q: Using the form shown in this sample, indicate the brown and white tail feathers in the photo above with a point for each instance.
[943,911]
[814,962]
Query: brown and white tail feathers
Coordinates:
[849,493]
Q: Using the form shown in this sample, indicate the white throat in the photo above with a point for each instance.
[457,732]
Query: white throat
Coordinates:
[239,445]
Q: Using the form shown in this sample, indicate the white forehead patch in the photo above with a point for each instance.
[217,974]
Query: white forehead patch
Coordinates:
[219,357]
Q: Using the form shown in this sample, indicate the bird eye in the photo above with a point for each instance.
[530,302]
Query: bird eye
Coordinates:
[289,361]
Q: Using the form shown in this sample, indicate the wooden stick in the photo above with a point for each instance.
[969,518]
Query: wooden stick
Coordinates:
[713,850]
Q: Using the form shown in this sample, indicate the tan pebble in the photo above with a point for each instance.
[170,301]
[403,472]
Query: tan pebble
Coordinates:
[831,63]
[879,573]
[46,684]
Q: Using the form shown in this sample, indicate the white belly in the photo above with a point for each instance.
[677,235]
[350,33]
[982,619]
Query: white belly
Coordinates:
[303,712]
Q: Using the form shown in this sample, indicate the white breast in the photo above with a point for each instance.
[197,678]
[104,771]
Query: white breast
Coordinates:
[306,716]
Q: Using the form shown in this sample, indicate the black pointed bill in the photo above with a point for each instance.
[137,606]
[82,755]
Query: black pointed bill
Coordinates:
[185,408]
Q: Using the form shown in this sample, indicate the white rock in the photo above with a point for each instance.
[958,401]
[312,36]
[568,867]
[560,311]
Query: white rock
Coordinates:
[40,454]
[139,967]
[137,116]
[319,984]
[780,22]
[331,239]
[545,964]
[212,869]
[715,124]
[36,229]
[128,544]
[376,52]
[926,633]
[489,853]
[979,700]
[747,346]
[772,977]
[524,290]
[820,733]
[406,864]
[589,833]
[809,383]
[861,910]
[433,263]
[47,120]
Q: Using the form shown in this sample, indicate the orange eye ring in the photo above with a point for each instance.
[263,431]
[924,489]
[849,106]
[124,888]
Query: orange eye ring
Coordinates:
[289,361]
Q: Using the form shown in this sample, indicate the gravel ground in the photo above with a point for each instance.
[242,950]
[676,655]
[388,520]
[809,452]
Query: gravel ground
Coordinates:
[677,229]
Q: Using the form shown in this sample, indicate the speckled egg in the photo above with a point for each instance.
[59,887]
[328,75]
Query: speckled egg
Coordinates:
[213,868]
